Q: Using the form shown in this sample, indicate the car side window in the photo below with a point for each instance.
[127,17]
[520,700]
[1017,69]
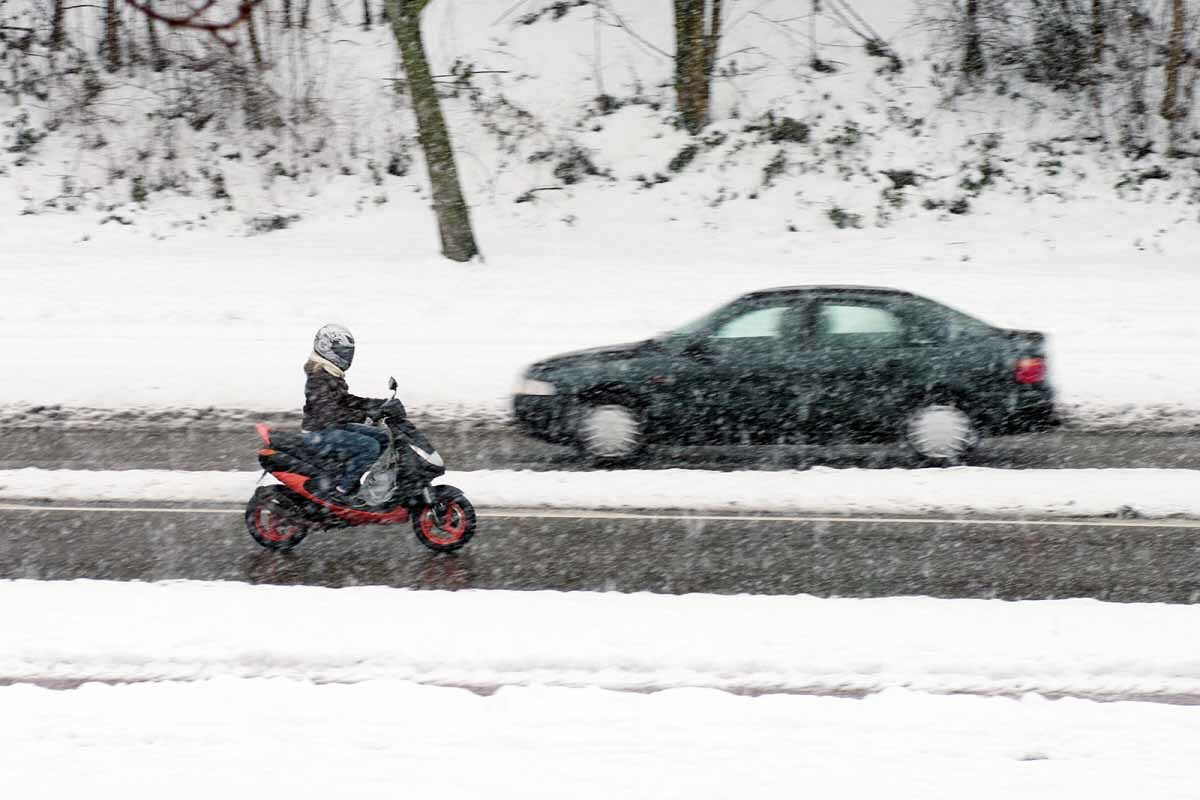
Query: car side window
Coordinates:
[960,326]
[760,323]
[934,323]
[855,325]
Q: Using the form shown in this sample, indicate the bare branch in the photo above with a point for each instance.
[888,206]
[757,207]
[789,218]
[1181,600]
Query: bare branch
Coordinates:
[873,34]
[195,17]
[620,23]
[509,12]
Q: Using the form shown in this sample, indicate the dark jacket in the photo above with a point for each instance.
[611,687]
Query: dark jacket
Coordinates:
[328,402]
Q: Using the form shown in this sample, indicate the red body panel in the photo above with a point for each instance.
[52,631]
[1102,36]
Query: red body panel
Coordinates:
[298,484]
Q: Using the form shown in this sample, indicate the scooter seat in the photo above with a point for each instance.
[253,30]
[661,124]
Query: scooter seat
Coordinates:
[287,442]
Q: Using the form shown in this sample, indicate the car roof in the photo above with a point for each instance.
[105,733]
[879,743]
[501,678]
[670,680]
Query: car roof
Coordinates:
[831,289]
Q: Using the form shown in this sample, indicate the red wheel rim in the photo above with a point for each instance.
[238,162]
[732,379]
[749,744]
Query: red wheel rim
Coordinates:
[272,528]
[450,531]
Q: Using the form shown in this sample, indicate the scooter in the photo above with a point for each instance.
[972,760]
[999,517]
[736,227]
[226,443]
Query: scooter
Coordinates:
[398,488]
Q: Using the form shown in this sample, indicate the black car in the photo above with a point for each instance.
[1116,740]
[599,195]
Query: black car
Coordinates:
[798,365]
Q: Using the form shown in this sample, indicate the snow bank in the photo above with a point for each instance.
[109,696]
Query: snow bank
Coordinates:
[1153,493]
[230,322]
[279,739]
[82,630]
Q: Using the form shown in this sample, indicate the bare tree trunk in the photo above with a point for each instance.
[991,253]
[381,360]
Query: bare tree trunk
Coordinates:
[712,40]
[1175,59]
[57,33]
[1095,95]
[133,53]
[287,13]
[158,58]
[1132,28]
[697,36]
[1098,30]
[304,9]
[110,45]
[454,219]
[973,63]
[255,49]
[366,15]
[812,32]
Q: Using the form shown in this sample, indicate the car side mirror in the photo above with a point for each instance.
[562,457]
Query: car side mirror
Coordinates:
[392,385]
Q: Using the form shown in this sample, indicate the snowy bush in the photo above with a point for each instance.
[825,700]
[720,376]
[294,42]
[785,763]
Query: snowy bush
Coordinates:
[564,101]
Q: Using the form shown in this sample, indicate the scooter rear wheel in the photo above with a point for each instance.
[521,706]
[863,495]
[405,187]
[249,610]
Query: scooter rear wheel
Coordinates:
[453,527]
[274,518]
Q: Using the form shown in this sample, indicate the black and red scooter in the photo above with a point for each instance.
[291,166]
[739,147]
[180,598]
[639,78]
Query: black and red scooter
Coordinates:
[398,488]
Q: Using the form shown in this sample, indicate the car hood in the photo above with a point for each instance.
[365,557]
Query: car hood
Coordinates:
[594,355]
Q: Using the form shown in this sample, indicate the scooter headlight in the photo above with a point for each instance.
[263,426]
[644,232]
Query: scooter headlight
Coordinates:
[434,458]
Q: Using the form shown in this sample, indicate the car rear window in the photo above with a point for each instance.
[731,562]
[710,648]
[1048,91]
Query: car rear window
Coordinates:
[942,324]
[857,325]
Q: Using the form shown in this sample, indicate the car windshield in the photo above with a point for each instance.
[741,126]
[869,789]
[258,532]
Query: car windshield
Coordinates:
[695,326]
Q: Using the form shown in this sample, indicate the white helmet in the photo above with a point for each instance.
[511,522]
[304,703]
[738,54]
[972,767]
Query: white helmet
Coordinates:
[335,344]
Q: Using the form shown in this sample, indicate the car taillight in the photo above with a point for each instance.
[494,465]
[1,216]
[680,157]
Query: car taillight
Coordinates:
[1030,370]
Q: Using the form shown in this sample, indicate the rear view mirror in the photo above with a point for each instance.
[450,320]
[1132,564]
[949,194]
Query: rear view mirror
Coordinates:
[392,385]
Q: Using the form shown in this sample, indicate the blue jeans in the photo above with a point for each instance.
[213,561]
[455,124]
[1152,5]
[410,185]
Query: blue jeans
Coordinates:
[356,445]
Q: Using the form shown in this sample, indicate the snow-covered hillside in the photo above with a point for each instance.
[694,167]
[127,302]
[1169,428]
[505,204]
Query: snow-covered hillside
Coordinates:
[599,221]
[555,117]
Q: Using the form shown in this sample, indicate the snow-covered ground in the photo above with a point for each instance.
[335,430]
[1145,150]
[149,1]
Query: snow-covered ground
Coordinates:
[279,739]
[180,308]
[227,322]
[189,630]
[964,491]
[167,302]
[249,707]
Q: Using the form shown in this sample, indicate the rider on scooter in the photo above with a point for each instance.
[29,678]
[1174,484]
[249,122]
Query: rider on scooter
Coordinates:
[333,418]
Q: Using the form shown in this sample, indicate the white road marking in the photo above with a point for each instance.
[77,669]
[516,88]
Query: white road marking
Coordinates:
[567,513]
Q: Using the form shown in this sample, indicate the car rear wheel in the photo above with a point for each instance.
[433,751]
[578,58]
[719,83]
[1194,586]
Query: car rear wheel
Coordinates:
[941,434]
[610,433]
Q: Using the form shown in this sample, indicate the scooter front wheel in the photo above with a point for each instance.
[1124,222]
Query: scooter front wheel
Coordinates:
[274,518]
[449,523]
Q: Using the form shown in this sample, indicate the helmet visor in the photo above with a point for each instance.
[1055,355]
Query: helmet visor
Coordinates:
[344,353]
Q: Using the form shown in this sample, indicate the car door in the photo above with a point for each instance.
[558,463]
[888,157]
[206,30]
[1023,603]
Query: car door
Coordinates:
[741,380]
[866,367]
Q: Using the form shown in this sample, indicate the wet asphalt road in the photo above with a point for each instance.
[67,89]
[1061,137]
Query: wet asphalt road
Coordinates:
[1109,560]
[1017,560]
[475,447]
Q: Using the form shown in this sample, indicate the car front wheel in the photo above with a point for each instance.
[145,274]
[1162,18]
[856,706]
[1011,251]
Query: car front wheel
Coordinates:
[941,434]
[610,433]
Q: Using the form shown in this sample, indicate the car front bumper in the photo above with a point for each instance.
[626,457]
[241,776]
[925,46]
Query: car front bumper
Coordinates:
[551,418]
